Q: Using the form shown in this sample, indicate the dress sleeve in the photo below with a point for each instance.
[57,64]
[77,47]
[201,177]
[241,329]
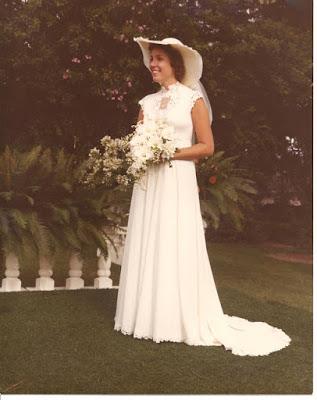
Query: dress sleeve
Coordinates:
[195,95]
[141,103]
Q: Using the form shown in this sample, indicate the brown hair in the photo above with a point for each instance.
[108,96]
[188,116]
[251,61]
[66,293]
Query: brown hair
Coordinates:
[175,57]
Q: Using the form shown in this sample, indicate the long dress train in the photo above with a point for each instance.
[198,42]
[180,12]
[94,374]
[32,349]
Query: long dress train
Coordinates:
[167,290]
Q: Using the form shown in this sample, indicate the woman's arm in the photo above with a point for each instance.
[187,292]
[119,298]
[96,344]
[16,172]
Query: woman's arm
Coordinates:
[205,142]
[140,116]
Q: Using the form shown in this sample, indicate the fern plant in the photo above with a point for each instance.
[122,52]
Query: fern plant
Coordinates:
[43,206]
[224,190]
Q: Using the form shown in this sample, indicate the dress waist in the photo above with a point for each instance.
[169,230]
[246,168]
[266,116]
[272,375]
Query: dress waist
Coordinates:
[182,142]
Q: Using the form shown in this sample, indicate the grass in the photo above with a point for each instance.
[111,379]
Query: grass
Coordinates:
[63,342]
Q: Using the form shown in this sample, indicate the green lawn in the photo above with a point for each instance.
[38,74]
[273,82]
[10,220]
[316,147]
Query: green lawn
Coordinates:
[63,341]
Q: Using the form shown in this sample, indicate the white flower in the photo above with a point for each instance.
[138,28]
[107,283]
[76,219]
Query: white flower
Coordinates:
[125,160]
[152,142]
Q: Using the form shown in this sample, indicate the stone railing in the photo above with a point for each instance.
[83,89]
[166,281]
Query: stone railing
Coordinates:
[45,280]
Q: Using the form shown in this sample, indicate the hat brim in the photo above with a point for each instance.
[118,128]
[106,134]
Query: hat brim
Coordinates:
[192,59]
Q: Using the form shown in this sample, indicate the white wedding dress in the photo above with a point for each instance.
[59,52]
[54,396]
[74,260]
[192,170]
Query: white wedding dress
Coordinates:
[167,290]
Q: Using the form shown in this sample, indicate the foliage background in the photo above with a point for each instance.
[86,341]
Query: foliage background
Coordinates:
[70,73]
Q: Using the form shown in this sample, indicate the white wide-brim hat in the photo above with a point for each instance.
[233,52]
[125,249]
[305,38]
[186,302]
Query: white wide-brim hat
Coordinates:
[192,59]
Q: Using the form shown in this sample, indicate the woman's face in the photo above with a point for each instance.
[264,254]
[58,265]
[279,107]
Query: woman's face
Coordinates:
[160,66]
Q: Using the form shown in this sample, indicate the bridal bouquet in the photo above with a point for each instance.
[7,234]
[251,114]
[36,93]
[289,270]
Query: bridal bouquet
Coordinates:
[151,143]
[123,161]
[108,164]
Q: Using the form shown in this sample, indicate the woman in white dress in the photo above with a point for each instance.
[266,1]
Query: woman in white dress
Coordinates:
[167,290]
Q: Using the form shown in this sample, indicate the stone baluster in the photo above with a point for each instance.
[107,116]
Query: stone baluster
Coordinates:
[75,271]
[11,283]
[119,240]
[45,282]
[103,281]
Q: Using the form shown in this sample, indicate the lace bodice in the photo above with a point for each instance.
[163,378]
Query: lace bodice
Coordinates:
[173,104]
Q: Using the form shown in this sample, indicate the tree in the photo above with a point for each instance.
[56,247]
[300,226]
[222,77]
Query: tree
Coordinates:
[70,74]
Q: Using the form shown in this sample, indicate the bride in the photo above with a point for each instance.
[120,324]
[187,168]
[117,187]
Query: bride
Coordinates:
[167,290]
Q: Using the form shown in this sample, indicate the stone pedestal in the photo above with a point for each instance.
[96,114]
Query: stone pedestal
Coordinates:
[104,271]
[45,282]
[75,271]
[11,283]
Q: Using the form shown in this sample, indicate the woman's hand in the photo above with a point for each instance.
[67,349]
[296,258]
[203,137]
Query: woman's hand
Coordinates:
[193,153]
